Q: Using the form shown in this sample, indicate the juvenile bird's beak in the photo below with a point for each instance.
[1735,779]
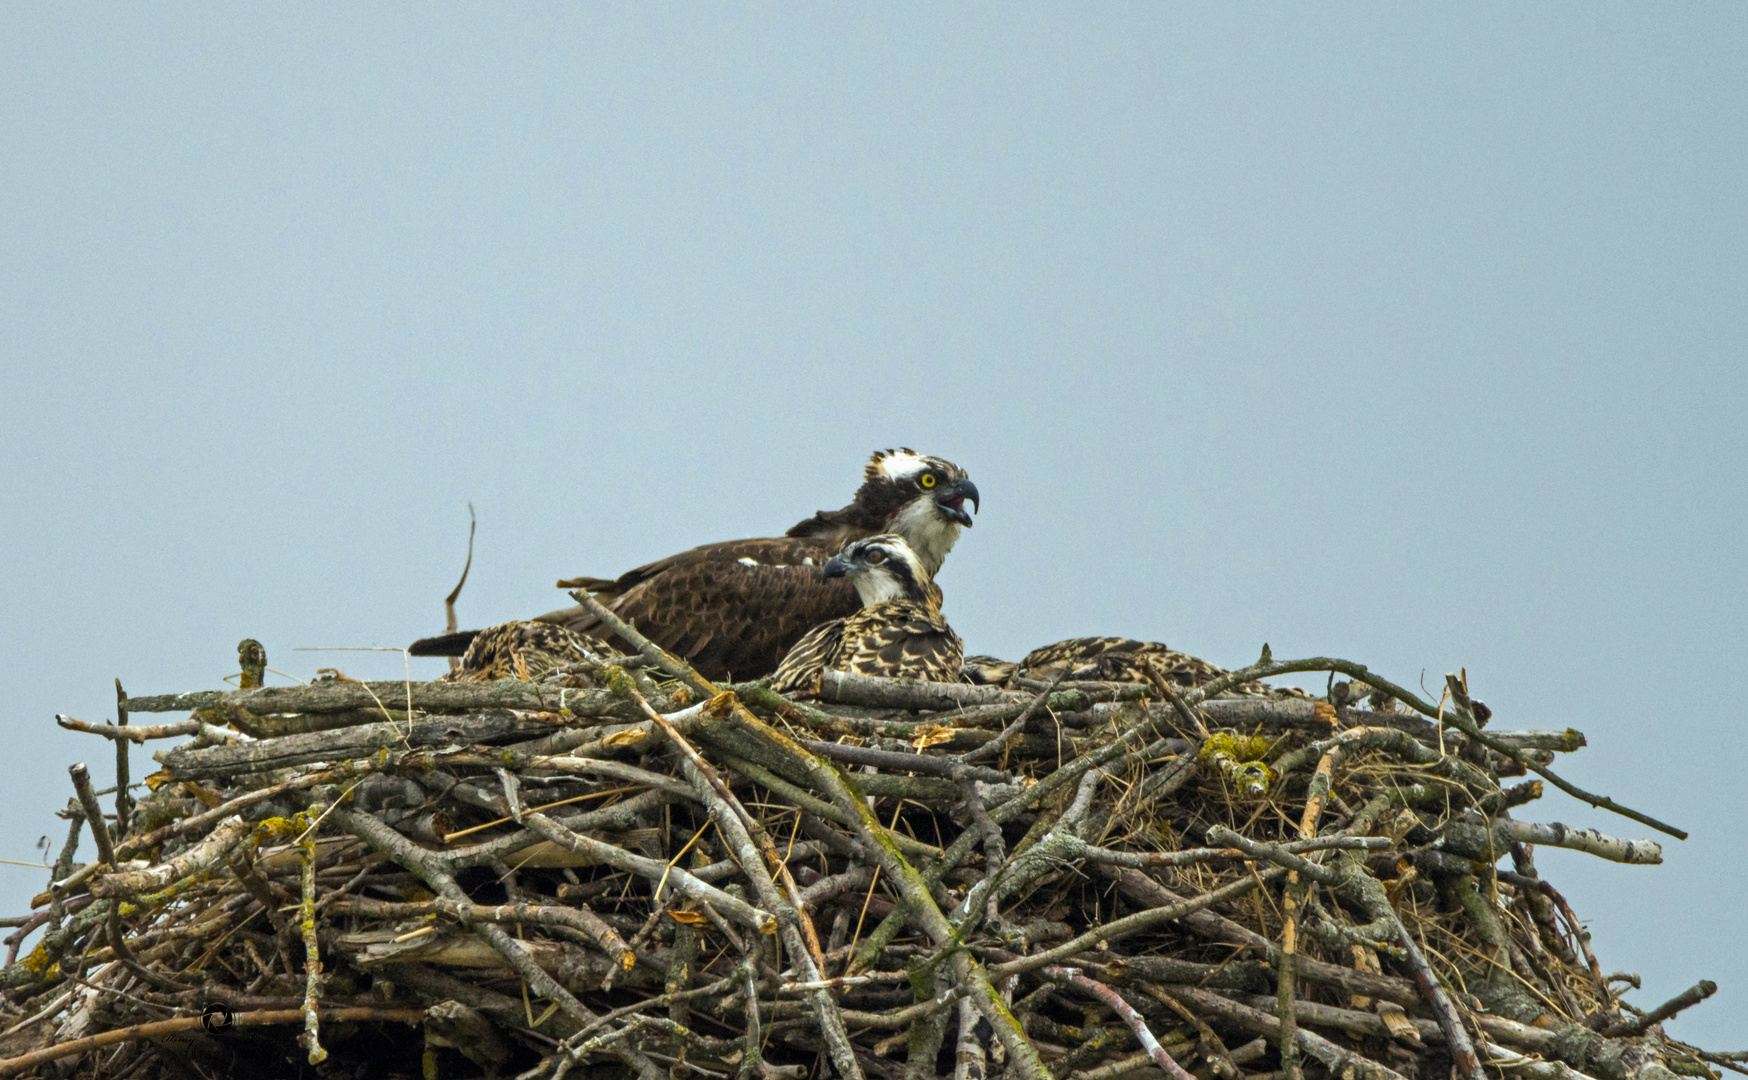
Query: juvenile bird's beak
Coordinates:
[953,499]
[834,567]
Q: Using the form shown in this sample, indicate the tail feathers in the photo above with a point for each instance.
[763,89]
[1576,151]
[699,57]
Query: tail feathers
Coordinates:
[444,645]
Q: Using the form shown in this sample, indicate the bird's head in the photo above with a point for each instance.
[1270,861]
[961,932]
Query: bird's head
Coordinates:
[920,498]
[884,568]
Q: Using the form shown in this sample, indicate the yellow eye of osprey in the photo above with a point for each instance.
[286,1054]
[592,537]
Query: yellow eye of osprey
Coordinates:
[927,480]
[876,557]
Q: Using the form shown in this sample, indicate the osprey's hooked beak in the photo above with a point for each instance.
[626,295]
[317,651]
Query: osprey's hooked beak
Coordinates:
[953,499]
[835,567]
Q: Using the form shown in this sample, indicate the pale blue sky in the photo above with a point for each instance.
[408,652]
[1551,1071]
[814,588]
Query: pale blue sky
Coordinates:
[1411,334]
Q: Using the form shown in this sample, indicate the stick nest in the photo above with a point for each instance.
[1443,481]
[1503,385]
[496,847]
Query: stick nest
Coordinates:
[622,871]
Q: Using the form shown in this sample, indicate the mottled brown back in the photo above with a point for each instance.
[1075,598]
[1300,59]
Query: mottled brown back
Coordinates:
[520,650]
[1109,659]
[899,639]
[817,650]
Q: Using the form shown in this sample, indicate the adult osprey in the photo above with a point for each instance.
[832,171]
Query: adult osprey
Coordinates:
[733,609]
[899,632]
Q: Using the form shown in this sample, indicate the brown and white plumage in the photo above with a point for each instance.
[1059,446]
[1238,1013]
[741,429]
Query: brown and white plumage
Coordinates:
[898,633]
[521,650]
[1105,659]
[734,609]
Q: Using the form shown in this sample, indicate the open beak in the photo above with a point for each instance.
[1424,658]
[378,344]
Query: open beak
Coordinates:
[834,567]
[953,501]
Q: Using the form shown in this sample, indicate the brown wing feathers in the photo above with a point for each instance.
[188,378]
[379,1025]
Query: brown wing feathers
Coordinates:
[731,610]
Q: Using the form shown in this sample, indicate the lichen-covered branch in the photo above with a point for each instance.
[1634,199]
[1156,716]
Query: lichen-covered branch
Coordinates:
[313,980]
[199,858]
[456,697]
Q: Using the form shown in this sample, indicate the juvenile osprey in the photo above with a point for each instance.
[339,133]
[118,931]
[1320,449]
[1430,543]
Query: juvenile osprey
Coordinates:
[735,608]
[1105,659]
[898,633]
[529,651]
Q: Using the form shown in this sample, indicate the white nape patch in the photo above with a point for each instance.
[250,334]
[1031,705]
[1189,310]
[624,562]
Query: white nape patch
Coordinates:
[901,465]
[928,531]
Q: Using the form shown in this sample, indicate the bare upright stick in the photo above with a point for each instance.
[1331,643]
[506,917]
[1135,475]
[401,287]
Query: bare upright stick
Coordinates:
[124,804]
[105,854]
[449,622]
[93,812]
[252,662]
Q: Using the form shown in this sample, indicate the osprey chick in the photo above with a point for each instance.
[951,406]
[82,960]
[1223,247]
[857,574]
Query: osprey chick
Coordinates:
[899,633]
[733,609]
[529,651]
[1106,659]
